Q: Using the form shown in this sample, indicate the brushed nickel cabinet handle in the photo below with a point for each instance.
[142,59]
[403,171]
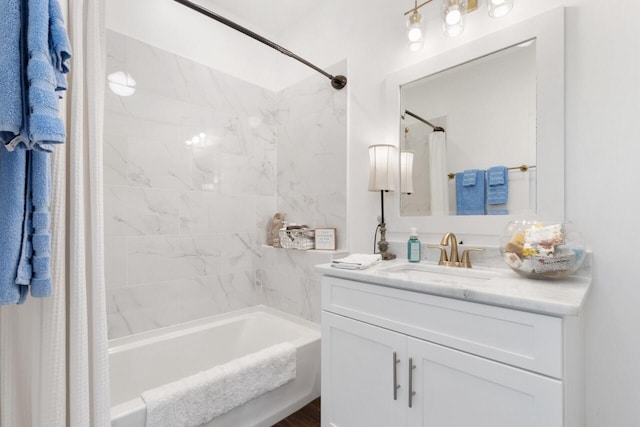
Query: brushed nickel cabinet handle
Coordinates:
[395,375]
[411,392]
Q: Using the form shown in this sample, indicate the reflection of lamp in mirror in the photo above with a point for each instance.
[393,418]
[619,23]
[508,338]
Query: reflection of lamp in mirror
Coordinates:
[382,172]
[499,8]
[406,172]
[453,15]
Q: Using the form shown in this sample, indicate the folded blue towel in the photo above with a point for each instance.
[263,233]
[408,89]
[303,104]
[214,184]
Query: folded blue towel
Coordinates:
[498,188]
[33,268]
[496,175]
[58,40]
[470,200]
[11,109]
[47,58]
[469,177]
[41,238]
[13,176]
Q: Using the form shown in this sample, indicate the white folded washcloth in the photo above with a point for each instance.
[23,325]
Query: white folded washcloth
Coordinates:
[356,261]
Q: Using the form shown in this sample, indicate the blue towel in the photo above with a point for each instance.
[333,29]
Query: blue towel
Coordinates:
[498,185]
[45,62]
[60,47]
[33,268]
[11,108]
[496,175]
[470,199]
[13,175]
[469,177]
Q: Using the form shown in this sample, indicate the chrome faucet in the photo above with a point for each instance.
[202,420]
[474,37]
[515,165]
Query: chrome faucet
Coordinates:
[452,260]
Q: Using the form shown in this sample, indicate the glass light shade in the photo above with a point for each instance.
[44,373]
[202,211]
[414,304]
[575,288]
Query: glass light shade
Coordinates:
[383,167]
[406,172]
[453,17]
[121,83]
[415,31]
[499,8]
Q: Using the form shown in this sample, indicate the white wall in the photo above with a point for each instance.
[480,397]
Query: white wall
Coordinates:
[602,109]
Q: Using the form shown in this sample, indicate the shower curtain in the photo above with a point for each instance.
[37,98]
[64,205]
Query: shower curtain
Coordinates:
[438,173]
[53,351]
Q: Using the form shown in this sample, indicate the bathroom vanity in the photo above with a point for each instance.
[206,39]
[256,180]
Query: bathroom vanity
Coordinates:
[424,345]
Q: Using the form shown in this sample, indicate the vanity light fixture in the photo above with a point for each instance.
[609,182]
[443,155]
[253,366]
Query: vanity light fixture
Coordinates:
[453,18]
[383,163]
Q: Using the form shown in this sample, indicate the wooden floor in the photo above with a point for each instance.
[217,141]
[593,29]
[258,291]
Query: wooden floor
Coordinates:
[309,416]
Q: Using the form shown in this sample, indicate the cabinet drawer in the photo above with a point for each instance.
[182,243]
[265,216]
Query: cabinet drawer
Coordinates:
[527,340]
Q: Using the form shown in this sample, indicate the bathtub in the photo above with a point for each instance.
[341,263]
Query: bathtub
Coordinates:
[143,361]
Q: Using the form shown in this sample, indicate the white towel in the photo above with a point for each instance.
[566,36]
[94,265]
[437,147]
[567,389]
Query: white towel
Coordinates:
[196,400]
[356,261]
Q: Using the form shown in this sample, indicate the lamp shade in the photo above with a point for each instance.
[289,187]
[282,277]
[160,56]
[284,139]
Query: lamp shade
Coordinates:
[383,167]
[406,172]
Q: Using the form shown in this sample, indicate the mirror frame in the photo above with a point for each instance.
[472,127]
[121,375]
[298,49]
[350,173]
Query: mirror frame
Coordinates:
[548,30]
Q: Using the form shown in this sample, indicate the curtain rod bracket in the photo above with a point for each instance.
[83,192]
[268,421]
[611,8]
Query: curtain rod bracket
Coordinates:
[337,82]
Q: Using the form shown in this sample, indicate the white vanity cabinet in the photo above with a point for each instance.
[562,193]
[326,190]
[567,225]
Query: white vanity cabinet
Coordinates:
[450,362]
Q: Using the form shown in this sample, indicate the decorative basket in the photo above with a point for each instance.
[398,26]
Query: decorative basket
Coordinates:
[542,249]
[298,238]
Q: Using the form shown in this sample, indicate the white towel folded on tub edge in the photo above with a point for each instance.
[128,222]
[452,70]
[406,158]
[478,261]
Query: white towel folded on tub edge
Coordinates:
[196,400]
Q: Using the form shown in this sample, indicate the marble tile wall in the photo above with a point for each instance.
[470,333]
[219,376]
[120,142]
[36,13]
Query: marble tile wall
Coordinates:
[312,176]
[312,148]
[185,222]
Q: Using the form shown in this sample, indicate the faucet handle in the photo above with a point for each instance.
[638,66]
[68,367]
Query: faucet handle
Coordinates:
[466,261]
[443,253]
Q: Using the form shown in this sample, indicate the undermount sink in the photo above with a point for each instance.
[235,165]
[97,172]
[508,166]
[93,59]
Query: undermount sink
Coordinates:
[437,273]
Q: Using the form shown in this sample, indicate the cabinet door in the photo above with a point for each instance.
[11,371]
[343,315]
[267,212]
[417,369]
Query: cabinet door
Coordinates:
[456,389]
[358,374]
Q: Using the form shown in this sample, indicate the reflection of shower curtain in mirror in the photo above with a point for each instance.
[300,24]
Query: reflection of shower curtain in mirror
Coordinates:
[438,173]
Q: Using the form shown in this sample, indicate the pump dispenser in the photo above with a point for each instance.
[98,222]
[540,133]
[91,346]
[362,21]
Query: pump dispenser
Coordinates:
[414,247]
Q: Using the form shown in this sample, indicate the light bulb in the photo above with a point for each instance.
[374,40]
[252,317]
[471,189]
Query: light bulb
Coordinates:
[453,16]
[414,28]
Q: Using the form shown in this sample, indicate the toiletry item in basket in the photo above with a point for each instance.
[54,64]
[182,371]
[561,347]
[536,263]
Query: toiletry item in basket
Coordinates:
[414,249]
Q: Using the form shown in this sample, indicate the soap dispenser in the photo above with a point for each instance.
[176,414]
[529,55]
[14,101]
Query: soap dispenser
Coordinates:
[414,247]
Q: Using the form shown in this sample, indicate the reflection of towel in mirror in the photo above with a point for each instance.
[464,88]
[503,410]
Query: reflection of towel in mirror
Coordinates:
[470,199]
[497,190]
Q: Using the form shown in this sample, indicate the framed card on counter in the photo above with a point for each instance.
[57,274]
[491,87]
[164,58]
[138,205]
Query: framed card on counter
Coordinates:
[326,239]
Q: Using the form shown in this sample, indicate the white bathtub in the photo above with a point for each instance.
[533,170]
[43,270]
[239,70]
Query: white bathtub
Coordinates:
[143,361]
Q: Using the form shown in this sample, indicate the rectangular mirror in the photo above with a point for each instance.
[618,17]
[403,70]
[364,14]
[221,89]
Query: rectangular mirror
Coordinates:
[500,100]
[485,115]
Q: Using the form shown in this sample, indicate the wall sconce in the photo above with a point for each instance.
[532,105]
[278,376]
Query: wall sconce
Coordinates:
[453,18]
[383,164]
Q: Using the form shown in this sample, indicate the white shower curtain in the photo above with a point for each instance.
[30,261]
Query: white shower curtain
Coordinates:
[438,173]
[53,351]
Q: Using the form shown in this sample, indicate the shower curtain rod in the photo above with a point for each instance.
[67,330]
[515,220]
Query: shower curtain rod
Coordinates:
[435,128]
[338,82]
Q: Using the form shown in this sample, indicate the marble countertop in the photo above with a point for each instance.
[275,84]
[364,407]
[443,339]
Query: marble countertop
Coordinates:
[501,287]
